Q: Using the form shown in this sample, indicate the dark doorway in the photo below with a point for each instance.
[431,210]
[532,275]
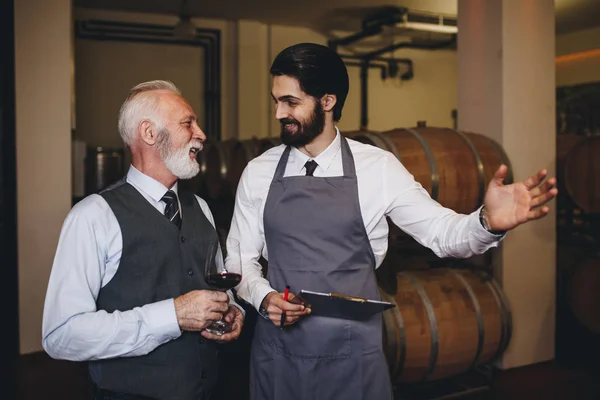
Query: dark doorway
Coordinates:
[8,196]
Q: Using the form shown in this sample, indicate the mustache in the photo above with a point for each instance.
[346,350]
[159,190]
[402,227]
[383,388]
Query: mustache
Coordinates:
[195,144]
[196,148]
[285,121]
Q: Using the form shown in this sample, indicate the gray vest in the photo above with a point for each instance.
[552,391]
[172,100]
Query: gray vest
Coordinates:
[158,262]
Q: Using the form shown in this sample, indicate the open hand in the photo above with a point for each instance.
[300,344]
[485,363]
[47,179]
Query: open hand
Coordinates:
[275,304]
[508,206]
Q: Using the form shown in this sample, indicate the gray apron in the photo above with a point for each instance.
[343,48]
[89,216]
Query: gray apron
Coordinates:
[317,241]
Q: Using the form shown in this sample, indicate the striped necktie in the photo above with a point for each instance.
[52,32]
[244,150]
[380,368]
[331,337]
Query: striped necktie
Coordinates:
[172,209]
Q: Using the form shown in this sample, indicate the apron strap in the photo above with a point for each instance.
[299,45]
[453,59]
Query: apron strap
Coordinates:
[347,159]
[282,164]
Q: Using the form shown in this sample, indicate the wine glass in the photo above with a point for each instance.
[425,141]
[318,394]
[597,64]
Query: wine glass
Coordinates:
[222,271]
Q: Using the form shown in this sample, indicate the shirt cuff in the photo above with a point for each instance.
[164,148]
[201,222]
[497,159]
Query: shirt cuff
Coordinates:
[260,293]
[480,233]
[162,320]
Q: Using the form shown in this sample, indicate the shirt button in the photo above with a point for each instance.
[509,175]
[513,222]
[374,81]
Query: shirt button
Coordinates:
[204,375]
[182,239]
[190,272]
[201,341]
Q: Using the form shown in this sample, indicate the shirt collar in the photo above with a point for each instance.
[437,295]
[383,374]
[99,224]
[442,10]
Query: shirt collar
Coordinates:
[324,159]
[148,185]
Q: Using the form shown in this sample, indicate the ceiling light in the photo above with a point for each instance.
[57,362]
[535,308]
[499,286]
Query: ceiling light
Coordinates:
[419,26]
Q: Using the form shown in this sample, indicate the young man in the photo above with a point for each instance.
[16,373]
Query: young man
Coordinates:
[315,207]
[126,292]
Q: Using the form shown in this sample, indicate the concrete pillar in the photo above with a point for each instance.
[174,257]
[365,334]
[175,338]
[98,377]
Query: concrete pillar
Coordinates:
[506,90]
[43,90]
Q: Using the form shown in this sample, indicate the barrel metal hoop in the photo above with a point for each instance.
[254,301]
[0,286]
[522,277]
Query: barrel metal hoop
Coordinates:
[400,351]
[477,308]
[435,178]
[432,323]
[480,168]
[504,157]
[503,319]
[390,329]
[376,139]
[391,147]
[507,314]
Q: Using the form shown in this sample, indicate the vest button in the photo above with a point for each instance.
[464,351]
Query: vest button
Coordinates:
[201,341]
[182,239]
[204,375]
[190,272]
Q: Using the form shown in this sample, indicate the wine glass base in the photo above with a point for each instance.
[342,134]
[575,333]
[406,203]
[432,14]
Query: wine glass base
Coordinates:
[219,328]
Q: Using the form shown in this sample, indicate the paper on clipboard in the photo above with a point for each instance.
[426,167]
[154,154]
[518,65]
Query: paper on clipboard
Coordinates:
[336,305]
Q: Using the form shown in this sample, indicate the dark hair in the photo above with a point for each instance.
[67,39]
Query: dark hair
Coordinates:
[318,69]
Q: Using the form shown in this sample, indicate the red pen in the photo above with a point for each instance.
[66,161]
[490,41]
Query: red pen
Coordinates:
[285,297]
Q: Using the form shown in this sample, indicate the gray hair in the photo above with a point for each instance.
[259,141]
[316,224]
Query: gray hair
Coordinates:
[139,105]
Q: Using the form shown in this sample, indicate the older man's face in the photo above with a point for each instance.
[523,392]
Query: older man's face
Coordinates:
[181,137]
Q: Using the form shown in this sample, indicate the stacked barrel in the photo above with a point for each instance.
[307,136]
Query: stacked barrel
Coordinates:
[578,250]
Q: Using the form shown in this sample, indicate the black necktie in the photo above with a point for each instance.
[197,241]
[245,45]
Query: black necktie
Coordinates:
[172,208]
[310,166]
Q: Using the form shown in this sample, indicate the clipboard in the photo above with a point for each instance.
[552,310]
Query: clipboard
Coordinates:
[337,305]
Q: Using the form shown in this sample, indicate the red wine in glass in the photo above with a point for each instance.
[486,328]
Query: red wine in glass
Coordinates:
[224,280]
[222,272]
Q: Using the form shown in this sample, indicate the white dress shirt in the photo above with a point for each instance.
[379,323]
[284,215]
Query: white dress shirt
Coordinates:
[87,258]
[385,188]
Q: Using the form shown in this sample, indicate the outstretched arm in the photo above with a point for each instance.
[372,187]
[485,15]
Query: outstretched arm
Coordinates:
[450,234]
[444,231]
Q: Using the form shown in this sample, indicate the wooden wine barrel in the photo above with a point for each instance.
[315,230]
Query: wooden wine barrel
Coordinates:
[103,167]
[383,142]
[240,152]
[583,293]
[454,167]
[265,144]
[446,322]
[582,174]
[577,297]
[375,139]
[360,132]
[214,169]
[222,163]
[564,143]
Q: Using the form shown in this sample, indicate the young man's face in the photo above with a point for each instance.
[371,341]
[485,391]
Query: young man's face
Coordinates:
[301,116]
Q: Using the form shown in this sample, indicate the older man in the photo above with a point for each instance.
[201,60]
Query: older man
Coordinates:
[126,292]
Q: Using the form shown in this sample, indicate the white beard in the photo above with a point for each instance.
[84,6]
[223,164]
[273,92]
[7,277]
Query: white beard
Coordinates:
[178,161]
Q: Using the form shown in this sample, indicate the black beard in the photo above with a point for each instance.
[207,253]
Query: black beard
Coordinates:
[305,133]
